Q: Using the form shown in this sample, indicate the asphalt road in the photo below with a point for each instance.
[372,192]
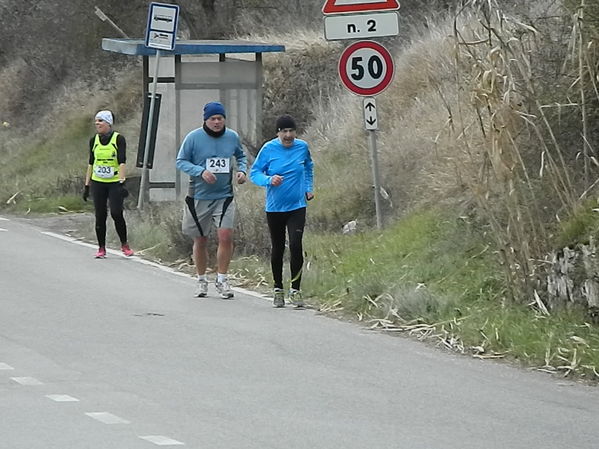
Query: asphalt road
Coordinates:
[118,354]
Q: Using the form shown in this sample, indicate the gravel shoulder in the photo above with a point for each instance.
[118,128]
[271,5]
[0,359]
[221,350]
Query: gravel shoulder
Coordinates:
[72,225]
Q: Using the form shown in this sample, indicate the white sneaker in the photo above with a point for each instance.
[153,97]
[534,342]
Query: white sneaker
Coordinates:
[224,289]
[201,289]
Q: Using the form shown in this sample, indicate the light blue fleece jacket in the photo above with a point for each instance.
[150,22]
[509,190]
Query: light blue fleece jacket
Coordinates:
[199,146]
[294,164]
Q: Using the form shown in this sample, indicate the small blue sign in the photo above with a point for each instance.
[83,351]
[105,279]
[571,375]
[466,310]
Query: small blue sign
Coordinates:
[161,31]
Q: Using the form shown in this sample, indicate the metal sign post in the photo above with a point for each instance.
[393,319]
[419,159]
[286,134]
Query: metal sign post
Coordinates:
[104,18]
[145,170]
[371,124]
[375,175]
[161,33]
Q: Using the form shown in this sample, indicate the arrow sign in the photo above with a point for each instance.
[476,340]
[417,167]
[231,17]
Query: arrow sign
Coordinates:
[370,120]
[342,6]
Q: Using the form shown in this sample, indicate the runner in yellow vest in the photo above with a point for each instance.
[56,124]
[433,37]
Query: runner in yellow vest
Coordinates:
[106,177]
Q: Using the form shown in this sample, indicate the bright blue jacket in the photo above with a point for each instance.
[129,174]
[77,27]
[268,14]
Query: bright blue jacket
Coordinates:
[199,146]
[294,164]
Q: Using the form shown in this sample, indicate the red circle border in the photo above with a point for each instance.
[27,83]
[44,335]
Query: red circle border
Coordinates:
[372,90]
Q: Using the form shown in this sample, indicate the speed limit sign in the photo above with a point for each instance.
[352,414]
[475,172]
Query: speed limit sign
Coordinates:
[366,68]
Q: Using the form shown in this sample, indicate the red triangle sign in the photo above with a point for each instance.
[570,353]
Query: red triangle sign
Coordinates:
[344,6]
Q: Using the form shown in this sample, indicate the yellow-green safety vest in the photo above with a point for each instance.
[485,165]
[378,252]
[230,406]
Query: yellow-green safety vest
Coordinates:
[106,164]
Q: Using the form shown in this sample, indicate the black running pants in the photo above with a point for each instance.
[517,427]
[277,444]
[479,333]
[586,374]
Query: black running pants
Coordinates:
[105,194]
[293,222]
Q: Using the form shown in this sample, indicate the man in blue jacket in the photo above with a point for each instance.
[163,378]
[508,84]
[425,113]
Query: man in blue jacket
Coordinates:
[206,155]
[284,166]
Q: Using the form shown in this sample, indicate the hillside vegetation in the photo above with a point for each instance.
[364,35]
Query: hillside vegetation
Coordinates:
[487,150]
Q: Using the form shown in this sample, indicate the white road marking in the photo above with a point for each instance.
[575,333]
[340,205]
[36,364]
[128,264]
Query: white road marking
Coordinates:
[107,418]
[143,261]
[160,440]
[5,366]
[4,219]
[27,380]
[62,398]
[116,253]
[247,292]
[68,239]
[3,230]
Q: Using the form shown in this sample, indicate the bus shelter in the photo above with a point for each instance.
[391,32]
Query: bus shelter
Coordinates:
[189,76]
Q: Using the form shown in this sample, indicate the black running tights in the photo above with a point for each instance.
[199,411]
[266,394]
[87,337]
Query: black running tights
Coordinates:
[294,222]
[105,194]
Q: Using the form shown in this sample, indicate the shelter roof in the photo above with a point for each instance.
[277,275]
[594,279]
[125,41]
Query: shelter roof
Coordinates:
[137,47]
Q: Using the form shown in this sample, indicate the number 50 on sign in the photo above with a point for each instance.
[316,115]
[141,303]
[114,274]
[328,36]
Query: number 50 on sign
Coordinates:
[366,68]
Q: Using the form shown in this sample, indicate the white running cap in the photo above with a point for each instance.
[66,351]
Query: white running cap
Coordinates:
[105,116]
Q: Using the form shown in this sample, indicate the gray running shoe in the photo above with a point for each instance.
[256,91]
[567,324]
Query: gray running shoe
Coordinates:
[295,298]
[279,298]
[224,289]
[201,289]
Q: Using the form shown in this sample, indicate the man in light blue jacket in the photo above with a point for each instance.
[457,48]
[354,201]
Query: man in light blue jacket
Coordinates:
[284,166]
[207,155]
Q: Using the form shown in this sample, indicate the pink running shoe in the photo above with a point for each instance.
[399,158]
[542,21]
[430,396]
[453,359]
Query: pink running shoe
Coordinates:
[101,254]
[126,250]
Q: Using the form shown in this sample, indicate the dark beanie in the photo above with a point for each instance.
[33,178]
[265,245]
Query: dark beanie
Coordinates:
[213,108]
[285,121]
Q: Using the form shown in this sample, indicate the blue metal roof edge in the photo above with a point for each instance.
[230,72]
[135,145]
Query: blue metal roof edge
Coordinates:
[136,47]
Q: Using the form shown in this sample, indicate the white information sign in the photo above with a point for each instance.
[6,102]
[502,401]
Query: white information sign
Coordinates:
[161,30]
[358,26]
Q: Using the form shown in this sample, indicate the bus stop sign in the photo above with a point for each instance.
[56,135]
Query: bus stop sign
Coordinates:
[161,31]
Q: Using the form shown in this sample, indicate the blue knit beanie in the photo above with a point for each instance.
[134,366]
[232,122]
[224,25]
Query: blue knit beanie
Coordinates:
[213,108]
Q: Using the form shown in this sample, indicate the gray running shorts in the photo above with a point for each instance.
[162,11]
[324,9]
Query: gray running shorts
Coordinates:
[200,215]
